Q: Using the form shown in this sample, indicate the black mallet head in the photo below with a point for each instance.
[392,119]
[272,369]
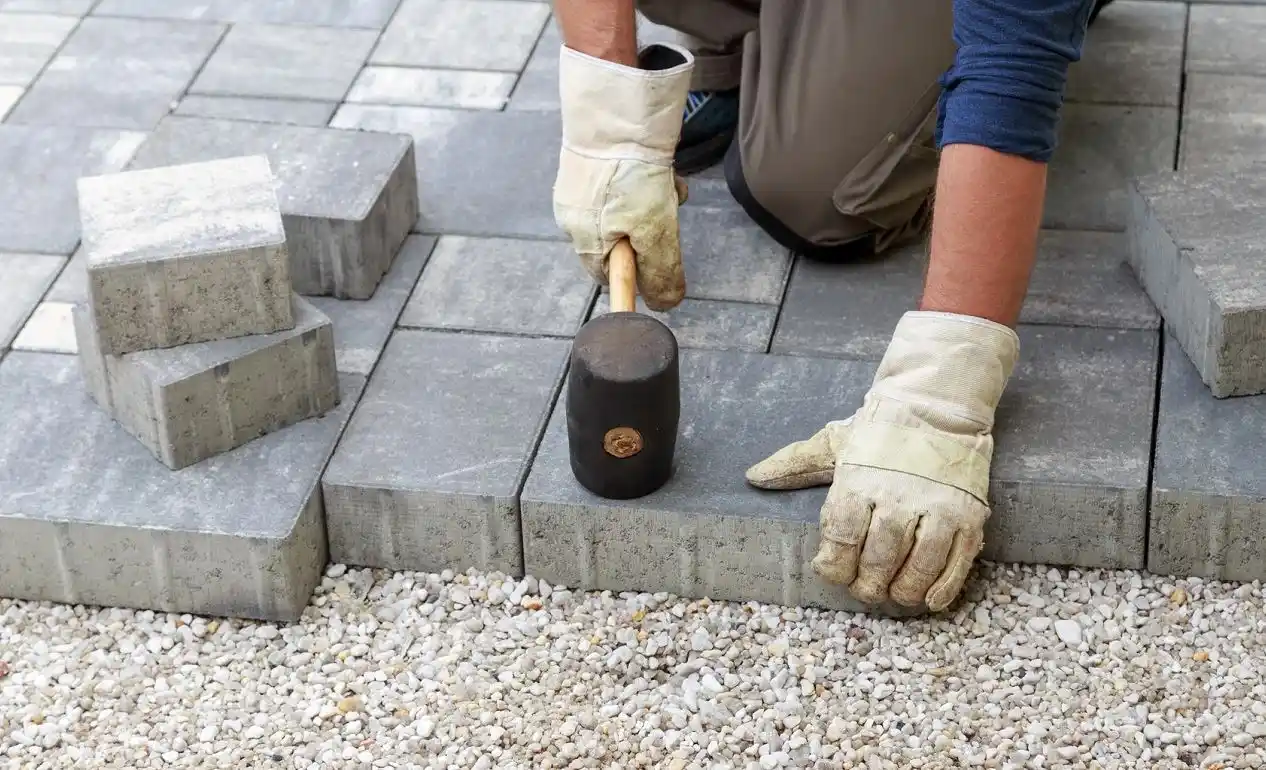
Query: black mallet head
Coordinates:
[623,395]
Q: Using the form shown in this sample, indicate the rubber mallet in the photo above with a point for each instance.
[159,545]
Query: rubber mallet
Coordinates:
[623,393]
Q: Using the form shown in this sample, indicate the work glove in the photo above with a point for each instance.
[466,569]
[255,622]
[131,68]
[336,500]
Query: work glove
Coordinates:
[909,471]
[615,172]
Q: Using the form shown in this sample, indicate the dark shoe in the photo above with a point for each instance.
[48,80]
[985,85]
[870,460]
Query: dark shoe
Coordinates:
[707,129]
[1094,12]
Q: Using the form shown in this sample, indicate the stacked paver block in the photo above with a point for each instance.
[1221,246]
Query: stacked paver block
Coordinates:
[191,337]
[348,198]
[1198,246]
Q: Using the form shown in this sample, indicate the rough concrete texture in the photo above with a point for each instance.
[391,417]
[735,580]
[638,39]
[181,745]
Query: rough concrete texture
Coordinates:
[361,327]
[1209,483]
[428,474]
[87,516]
[501,285]
[1227,39]
[183,254]
[706,532]
[348,198]
[1224,121]
[39,206]
[192,402]
[1072,448]
[849,310]
[1196,243]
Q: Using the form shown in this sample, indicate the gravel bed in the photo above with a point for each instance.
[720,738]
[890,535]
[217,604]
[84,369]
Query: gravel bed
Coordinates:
[1038,668]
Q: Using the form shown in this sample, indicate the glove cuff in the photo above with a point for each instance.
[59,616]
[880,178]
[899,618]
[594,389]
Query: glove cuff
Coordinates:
[954,364]
[624,113]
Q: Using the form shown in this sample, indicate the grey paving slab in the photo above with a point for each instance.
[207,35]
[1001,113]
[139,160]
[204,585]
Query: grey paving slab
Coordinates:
[459,34]
[361,327]
[537,87]
[187,253]
[500,285]
[1224,120]
[429,471]
[1073,446]
[1069,481]
[26,278]
[1081,279]
[88,516]
[348,198]
[9,96]
[196,401]
[1133,54]
[370,14]
[1227,39]
[27,43]
[1209,484]
[72,283]
[118,73]
[39,205]
[461,152]
[1198,245]
[701,323]
[50,329]
[61,7]
[432,87]
[294,112]
[285,62]
[1100,148]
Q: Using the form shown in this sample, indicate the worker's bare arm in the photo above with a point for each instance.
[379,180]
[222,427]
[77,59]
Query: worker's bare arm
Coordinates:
[605,29]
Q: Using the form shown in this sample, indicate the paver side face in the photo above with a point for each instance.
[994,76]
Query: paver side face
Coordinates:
[429,472]
[192,402]
[1209,483]
[185,254]
[239,534]
[348,198]
[1197,246]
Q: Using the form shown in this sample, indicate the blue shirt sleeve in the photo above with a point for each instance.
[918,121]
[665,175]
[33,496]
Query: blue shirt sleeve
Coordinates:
[1006,85]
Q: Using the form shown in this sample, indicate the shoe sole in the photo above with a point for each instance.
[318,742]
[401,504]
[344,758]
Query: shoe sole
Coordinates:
[703,155]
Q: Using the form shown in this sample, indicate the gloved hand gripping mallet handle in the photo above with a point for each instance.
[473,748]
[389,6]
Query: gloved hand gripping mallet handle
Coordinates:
[622,273]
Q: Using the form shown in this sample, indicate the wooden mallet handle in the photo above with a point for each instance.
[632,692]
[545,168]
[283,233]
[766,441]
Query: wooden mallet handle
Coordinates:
[622,271]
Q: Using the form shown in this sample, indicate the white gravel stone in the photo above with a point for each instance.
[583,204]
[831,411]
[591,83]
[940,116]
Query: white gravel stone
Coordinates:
[408,670]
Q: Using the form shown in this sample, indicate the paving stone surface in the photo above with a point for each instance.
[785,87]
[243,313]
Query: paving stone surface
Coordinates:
[118,73]
[1101,147]
[62,7]
[26,278]
[432,88]
[27,43]
[39,208]
[285,62]
[1227,39]
[1133,55]
[1209,484]
[1224,120]
[193,402]
[96,520]
[1080,279]
[361,327]
[9,96]
[370,14]
[500,285]
[537,88]
[462,34]
[50,329]
[348,198]
[699,323]
[460,151]
[1198,245]
[428,474]
[292,112]
[187,253]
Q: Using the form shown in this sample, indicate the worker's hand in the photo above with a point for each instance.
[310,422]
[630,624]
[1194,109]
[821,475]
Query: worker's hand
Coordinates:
[615,172]
[909,471]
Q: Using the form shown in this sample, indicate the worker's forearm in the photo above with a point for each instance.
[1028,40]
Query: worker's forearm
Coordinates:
[606,29]
[984,233]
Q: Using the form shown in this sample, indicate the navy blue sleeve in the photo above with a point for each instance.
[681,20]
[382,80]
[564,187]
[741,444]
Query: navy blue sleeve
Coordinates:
[1006,86]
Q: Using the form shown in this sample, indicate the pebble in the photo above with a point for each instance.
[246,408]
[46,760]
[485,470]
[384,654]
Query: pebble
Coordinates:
[480,670]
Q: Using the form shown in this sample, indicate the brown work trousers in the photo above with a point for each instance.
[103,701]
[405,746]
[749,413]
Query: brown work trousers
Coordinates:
[834,145]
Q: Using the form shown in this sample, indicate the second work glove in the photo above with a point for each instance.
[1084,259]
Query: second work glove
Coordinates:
[909,471]
[615,173]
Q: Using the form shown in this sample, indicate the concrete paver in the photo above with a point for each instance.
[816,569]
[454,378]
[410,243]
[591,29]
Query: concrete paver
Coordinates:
[432,88]
[483,35]
[1132,55]
[369,14]
[701,323]
[9,96]
[1224,121]
[1227,39]
[27,42]
[60,7]
[88,516]
[347,198]
[26,278]
[294,112]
